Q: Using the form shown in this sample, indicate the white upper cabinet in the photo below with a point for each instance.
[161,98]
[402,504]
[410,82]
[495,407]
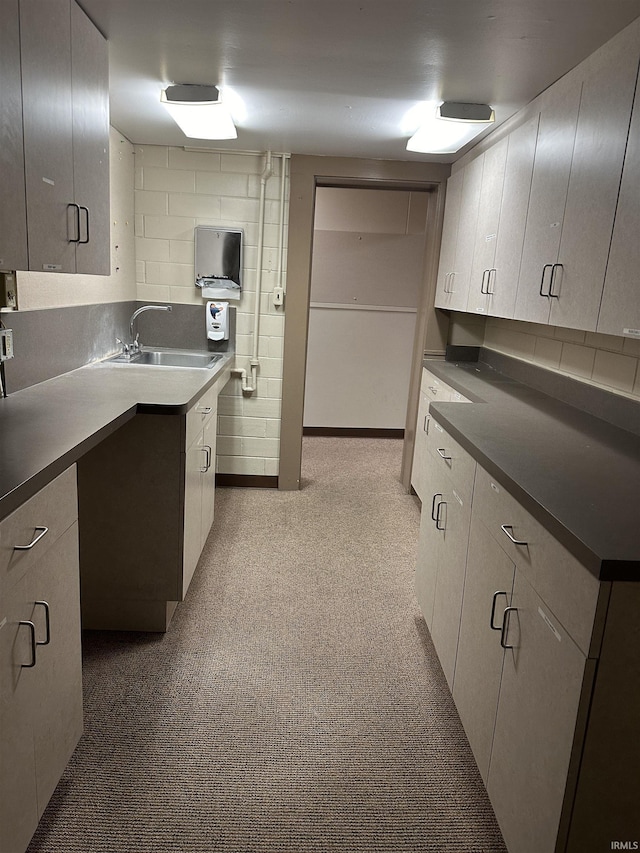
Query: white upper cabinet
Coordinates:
[45,41]
[449,237]
[529,224]
[482,270]
[580,149]
[596,167]
[551,170]
[461,218]
[90,99]
[65,121]
[620,309]
[13,217]
[516,188]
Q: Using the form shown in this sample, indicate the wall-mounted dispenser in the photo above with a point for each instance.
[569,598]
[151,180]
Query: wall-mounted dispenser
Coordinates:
[218,262]
[218,321]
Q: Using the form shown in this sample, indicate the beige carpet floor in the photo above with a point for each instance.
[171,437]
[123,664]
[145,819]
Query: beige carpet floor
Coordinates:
[295,705]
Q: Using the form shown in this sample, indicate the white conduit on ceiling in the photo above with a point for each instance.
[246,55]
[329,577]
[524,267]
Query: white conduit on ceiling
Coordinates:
[267,172]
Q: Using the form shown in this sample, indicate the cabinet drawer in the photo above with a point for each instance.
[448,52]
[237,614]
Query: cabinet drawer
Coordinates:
[568,589]
[205,408]
[55,507]
[434,388]
[453,458]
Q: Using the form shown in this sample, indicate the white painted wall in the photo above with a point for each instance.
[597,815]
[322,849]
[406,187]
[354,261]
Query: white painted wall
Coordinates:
[368,255]
[175,190]
[358,364]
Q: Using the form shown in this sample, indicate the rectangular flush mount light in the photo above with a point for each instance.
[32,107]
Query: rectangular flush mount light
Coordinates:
[198,111]
[449,127]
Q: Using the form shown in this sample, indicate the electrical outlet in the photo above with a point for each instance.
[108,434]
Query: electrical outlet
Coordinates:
[8,291]
[6,344]
[278,296]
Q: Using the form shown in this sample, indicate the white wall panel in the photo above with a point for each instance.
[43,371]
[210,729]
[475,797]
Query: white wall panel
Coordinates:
[358,367]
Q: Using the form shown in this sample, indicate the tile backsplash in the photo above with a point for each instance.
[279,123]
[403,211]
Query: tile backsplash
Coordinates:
[606,361]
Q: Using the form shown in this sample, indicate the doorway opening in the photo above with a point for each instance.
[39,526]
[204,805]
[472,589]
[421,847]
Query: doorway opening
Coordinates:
[366,277]
[308,176]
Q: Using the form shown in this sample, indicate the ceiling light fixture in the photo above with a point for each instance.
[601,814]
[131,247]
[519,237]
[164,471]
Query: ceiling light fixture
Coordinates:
[198,111]
[450,127]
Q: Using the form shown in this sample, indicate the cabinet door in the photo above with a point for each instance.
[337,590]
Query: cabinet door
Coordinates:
[420,451]
[208,477]
[453,515]
[542,680]
[458,289]
[18,801]
[194,463]
[13,214]
[620,309]
[596,167]
[551,169]
[503,284]
[90,82]
[449,238]
[487,228]
[57,709]
[430,539]
[45,39]
[487,591]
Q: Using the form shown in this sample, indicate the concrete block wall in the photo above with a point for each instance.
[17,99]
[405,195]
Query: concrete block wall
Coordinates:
[175,190]
[606,361]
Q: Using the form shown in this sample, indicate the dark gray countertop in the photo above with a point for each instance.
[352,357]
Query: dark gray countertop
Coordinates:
[576,474]
[47,427]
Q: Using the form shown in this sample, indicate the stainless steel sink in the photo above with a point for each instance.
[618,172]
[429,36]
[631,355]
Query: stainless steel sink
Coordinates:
[170,358]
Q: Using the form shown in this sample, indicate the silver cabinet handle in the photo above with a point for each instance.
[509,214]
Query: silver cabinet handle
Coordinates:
[207,464]
[205,410]
[433,389]
[493,609]
[425,425]
[76,208]
[86,211]
[484,284]
[507,530]
[32,630]
[544,270]
[438,519]
[47,624]
[505,627]
[554,270]
[433,505]
[34,541]
[443,454]
[493,272]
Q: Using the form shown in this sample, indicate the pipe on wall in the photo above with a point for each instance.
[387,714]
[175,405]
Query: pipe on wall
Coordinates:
[250,387]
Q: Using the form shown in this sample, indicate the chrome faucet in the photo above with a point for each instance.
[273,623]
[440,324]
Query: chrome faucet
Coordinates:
[134,337]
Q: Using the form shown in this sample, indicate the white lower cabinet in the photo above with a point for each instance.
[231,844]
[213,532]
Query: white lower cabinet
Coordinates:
[444,533]
[543,660]
[543,676]
[433,390]
[40,655]
[200,482]
[487,592]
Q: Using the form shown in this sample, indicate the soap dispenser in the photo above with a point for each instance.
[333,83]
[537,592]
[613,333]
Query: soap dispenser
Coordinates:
[218,321]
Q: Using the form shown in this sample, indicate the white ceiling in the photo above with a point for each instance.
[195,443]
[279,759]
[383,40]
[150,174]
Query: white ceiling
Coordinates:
[337,77]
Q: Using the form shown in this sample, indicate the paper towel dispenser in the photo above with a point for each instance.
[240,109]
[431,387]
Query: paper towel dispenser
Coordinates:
[218,261]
